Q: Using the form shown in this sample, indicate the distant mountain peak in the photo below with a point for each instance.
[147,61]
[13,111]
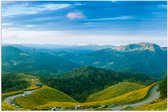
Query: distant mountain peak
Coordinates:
[138,47]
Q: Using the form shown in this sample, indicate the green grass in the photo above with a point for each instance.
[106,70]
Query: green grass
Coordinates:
[46,97]
[56,104]
[129,97]
[160,104]
[114,91]
[6,106]
[42,96]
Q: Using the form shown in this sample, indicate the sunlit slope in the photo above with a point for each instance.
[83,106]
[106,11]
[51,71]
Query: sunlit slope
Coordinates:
[42,96]
[113,91]
[129,97]
[160,104]
[6,106]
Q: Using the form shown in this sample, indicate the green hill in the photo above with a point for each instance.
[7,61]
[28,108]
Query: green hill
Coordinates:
[128,97]
[139,57]
[14,82]
[35,62]
[42,96]
[113,91]
[82,82]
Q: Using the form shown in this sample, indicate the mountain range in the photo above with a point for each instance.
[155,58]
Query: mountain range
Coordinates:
[148,58]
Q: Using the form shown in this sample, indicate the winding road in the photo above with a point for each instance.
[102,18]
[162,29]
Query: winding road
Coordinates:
[153,95]
[10,99]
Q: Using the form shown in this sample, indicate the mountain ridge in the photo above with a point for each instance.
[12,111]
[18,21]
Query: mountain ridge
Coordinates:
[142,57]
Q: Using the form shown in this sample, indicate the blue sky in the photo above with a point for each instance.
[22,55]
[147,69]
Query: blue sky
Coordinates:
[77,22]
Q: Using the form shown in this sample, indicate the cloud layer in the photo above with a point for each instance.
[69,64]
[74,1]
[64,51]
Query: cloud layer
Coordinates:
[114,18]
[98,22]
[26,9]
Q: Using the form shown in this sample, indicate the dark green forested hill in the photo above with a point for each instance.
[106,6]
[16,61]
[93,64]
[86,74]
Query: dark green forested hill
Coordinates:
[83,81]
[15,60]
[163,88]
[141,57]
[134,57]
[13,82]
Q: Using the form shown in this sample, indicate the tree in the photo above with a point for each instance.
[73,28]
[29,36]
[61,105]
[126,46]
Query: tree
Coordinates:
[163,88]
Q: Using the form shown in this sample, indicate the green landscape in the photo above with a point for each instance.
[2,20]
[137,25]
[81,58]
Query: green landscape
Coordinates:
[79,87]
[84,55]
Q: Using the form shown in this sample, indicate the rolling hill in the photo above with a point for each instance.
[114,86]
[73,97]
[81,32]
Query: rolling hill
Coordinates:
[114,91]
[35,62]
[81,82]
[140,57]
[129,97]
[42,96]
[13,82]
[92,75]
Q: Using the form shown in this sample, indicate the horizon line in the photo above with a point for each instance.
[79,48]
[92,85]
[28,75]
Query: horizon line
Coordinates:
[2,44]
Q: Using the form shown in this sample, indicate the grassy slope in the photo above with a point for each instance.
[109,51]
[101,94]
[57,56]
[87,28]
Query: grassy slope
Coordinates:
[113,91]
[6,106]
[122,99]
[42,96]
[160,104]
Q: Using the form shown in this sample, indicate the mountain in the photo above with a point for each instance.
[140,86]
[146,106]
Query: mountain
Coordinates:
[15,60]
[86,80]
[147,58]
[138,47]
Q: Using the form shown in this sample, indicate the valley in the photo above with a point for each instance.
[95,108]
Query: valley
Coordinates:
[84,55]
[83,78]
[48,98]
[141,57]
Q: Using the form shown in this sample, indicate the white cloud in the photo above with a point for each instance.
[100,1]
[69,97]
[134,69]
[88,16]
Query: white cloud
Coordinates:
[15,36]
[75,15]
[54,6]
[27,9]
[114,18]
